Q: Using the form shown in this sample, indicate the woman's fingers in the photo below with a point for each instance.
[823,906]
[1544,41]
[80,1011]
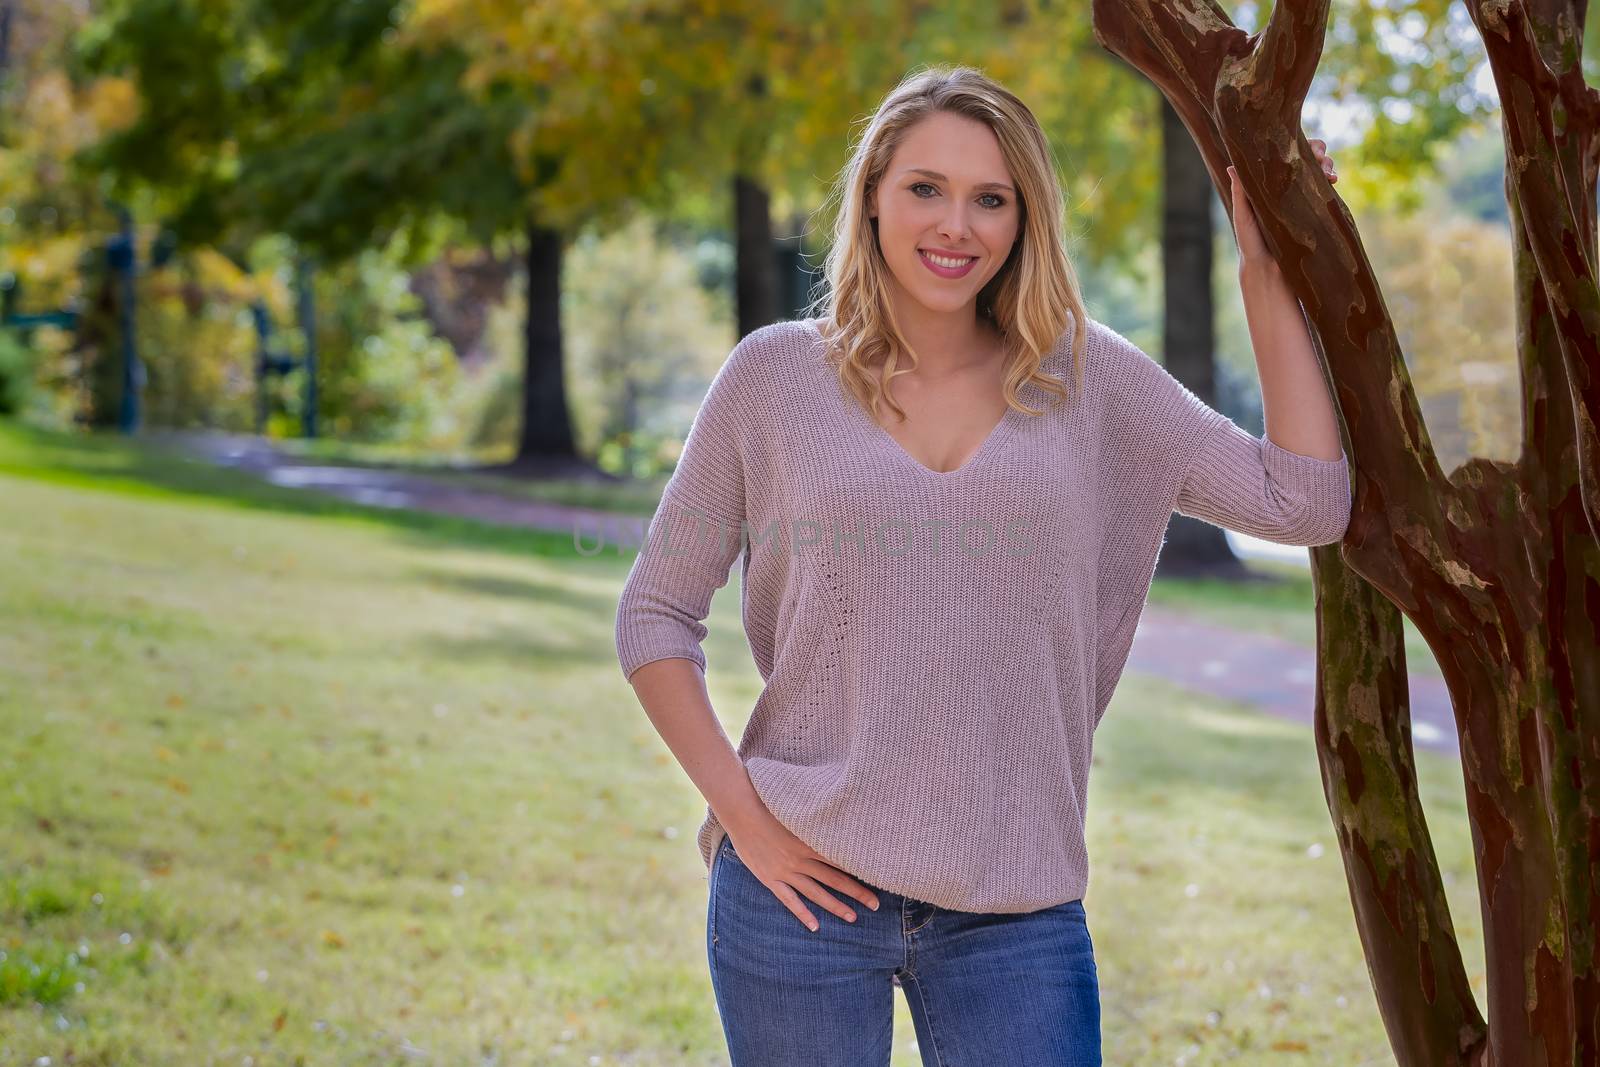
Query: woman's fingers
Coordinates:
[786,892]
[837,879]
[791,900]
[816,892]
[1319,148]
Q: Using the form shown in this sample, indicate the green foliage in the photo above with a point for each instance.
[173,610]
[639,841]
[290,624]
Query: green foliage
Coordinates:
[382,374]
[297,118]
[197,346]
[1410,66]
[18,363]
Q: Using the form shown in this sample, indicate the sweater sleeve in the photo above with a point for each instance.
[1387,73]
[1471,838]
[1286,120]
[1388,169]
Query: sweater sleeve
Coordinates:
[1228,477]
[1255,486]
[693,538]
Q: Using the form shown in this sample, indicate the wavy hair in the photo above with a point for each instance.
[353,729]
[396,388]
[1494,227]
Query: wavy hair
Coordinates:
[1029,299]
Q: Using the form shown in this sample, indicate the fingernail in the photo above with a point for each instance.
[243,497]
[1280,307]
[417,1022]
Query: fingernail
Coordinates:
[850,917]
[873,905]
[812,926]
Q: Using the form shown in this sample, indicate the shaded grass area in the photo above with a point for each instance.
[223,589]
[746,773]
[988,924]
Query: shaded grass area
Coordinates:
[295,780]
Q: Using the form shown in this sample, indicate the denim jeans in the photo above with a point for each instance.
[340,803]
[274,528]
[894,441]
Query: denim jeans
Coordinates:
[1014,989]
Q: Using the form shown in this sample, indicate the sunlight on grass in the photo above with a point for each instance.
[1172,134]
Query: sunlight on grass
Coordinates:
[1251,726]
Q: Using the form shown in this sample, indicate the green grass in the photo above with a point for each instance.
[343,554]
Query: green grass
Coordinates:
[111,464]
[289,779]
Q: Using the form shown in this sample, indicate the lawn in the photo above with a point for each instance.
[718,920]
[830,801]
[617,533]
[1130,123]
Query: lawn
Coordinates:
[292,781]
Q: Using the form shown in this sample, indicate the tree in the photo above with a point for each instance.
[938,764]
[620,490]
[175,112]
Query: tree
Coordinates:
[1497,563]
[307,119]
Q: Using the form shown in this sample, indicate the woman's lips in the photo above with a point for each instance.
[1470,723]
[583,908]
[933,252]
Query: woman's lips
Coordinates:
[945,272]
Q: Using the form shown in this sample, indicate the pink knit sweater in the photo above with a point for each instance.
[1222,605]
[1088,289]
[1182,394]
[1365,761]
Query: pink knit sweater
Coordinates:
[938,648]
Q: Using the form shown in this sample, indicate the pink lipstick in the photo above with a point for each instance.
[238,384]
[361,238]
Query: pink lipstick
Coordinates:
[944,271]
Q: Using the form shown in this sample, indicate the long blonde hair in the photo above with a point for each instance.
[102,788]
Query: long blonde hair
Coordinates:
[1029,299]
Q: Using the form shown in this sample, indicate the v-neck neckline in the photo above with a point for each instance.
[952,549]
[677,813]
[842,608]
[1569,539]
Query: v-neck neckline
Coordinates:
[990,442]
[970,462]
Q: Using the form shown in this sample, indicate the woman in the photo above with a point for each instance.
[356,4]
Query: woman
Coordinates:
[939,603]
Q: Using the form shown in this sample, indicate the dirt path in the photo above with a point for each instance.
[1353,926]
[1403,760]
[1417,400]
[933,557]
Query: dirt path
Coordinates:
[1269,673]
[380,487]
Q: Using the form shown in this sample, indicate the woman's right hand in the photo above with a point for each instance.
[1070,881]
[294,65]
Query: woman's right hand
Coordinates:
[789,867]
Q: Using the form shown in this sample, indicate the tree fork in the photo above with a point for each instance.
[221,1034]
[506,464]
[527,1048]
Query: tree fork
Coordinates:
[1497,564]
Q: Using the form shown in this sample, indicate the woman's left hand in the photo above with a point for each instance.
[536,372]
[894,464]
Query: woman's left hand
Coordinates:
[1245,231]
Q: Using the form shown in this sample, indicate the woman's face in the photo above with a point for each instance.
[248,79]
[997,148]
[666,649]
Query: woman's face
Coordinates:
[946,193]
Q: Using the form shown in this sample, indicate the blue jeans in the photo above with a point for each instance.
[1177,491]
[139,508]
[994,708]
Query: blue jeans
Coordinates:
[1017,989]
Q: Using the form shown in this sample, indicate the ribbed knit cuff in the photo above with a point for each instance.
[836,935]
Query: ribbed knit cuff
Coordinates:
[1321,479]
[635,657]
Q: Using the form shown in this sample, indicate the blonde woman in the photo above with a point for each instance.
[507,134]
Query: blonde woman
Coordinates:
[948,490]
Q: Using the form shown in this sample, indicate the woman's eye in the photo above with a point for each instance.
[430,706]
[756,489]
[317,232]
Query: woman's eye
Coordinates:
[999,201]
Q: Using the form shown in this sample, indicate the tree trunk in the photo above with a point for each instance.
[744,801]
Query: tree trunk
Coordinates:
[756,267]
[546,439]
[756,284]
[1496,564]
[1193,548]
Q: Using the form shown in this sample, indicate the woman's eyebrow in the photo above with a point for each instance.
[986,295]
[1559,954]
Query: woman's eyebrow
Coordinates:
[941,177]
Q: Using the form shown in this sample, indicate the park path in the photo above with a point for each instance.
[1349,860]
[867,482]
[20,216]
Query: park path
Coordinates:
[1266,672]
